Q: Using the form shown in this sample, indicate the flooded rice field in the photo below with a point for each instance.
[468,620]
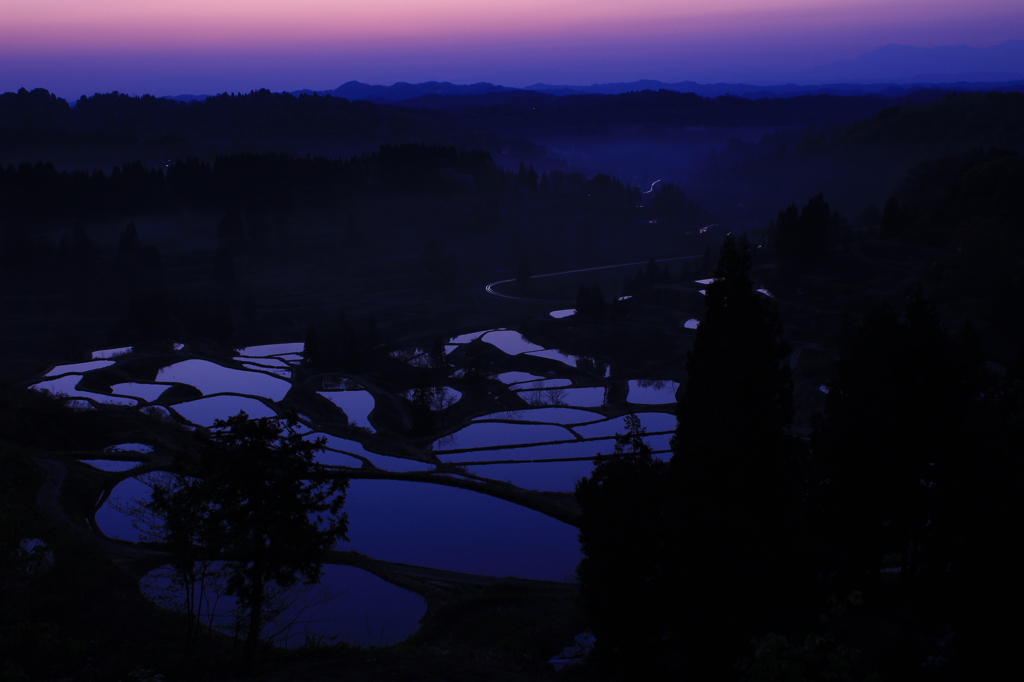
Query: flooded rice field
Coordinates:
[539,430]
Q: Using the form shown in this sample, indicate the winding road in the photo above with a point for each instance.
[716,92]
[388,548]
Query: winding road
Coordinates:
[490,288]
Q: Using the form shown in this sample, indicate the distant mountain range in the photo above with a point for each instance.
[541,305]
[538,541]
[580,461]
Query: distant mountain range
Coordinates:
[483,94]
[387,94]
[749,91]
[889,71]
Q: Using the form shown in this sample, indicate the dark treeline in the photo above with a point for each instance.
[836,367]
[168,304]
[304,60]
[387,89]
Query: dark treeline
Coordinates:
[881,547]
[38,124]
[38,192]
[37,116]
[857,165]
[284,114]
[162,251]
[957,218]
[911,131]
[533,113]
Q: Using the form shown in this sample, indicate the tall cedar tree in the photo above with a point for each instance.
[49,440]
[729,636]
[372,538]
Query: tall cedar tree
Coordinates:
[919,468]
[733,470]
[982,513]
[803,238]
[252,502]
[897,424]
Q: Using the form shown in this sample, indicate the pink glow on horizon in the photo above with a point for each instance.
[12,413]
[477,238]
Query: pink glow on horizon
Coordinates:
[122,25]
[217,45]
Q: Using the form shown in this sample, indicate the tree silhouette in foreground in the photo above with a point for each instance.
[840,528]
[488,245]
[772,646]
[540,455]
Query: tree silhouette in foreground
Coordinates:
[897,415]
[918,471]
[733,471]
[253,501]
[622,535]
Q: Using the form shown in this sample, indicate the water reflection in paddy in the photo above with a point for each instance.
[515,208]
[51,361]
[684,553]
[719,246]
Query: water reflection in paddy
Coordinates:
[457,530]
[67,385]
[510,342]
[110,353]
[423,524]
[366,611]
[111,517]
[272,349]
[564,358]
[147,392]
[78,367]
[517,377]
[205,411]
[557,476]
[499,433]
[269,363]
[348,605]
[544,383]
[466,338]
[557,415]
[650,421]
[129,447]
[356,448]
[283,373]
[356,405]
[559,314]
[441,397]
[158,411]
[553,354]
[110,464]
[574,397]
[209,377]
[353,446]
[652,392]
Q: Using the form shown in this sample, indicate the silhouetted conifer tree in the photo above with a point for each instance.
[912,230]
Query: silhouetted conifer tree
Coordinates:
[590,303]
[527,178]
[805,237]
[734,471]
[980,513]
[129,244]
[231,232]
[224,266]
[149,318]
[83,251]
[895,423]
[894,219]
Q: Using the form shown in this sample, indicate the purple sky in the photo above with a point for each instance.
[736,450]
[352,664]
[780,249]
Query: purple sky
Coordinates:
[204,46]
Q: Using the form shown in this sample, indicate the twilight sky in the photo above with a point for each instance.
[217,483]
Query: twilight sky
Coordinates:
[74,47]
